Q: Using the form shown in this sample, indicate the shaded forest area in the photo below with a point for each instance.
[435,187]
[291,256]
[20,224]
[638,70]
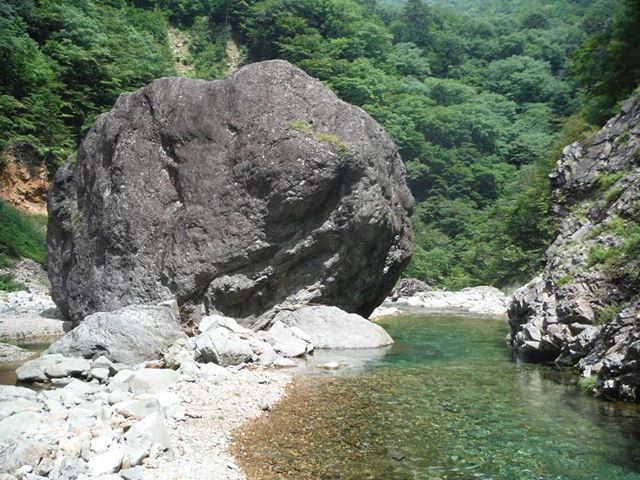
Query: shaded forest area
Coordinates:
[480,96]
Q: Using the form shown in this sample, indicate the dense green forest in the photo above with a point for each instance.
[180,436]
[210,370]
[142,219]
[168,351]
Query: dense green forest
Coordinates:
[479,95]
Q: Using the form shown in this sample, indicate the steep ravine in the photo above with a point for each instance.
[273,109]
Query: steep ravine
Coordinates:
[583,310]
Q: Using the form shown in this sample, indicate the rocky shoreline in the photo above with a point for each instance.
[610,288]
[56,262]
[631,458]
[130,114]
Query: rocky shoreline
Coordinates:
[583,310]
[415,297]
[133,397]
[135,414]
[144,423]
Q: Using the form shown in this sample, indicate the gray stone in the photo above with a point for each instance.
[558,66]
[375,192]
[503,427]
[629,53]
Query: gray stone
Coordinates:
[267,175]
[102,362]
[221,346]
[107,462]
[332,328]
[34,370]
[120,381]
[130,335]
[152,380]
[283,362]
[143,435]
[288,341]
[100,374]
[10,392]
[9,407]
[13,354]
[574,293]
[134,473]
[139,408]
[68,367]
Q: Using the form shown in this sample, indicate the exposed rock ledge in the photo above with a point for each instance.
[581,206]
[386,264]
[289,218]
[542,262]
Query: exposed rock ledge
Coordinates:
[583,310]
[484,301]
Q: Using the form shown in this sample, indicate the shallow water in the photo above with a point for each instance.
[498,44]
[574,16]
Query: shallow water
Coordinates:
[8,370]
[445,402]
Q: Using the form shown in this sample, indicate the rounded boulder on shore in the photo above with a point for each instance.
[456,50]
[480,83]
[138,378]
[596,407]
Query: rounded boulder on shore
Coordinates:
[231,196]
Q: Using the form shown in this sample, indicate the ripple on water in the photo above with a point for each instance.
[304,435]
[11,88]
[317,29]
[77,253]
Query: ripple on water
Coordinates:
[445,402]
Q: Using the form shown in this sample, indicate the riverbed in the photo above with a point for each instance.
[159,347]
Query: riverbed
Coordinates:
[445,402]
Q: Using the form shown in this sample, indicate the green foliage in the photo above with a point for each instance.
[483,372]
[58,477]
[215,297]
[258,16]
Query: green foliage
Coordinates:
[323,137]
[64,62]
[473,96]
[599,254]
[21,235]
[588,384]
[564,280]
[8,284]
[607,180]
[613,194]
[608,65]
[607,314]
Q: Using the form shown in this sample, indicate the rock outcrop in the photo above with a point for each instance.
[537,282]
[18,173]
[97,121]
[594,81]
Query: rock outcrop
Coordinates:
[331,328]
[129,335]
[233,197]
[24,180]
[583,310]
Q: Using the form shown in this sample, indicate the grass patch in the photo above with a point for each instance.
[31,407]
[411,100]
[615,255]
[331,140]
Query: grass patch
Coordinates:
[328,138]
[21,235]
[607,314]
[607,180]
[613,194]
[599,254]
[564,280]
[588,384]
[8,284]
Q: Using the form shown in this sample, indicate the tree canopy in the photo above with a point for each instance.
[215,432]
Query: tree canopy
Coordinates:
[477,94]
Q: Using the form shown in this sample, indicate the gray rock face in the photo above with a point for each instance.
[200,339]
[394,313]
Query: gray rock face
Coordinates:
[130,335]
[583,309]
[332,328]
[220,346]
[236,195]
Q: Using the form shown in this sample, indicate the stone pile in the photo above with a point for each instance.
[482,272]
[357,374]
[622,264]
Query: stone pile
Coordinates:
[117,376]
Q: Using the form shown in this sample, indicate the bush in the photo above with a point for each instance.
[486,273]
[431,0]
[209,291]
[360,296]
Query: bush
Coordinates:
[607,180]
[21,235]
[588,384]
[8,284]
[599,254]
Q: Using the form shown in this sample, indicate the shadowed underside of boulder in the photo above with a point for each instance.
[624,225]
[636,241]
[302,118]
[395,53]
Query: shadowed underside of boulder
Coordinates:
[231,196]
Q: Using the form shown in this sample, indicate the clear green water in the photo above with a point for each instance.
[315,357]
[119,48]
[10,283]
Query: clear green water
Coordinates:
[446,402]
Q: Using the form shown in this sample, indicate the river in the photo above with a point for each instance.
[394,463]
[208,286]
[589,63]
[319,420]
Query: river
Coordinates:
[445,402]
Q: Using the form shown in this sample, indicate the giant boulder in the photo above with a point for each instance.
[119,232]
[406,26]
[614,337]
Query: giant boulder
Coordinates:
[232,196]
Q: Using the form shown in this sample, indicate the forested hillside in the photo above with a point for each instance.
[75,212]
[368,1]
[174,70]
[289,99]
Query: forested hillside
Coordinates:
[479,96]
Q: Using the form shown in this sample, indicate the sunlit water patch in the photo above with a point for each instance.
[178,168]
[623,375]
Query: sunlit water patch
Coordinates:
[445,402]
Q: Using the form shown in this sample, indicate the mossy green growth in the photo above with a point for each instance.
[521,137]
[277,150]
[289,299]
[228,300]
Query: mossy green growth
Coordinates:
[613,194]
[588,384]
[607,314]
[21,235]
[323,137]
[601,254]
[564,280]
[76,221]
[607,180]
[8,284]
